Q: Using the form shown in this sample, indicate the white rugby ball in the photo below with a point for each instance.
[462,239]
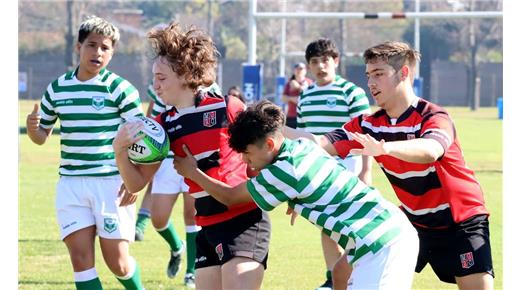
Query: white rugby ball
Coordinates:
[153,147]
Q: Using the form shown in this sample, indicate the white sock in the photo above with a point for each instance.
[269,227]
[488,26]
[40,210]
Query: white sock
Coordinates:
[86,275]
[192,228]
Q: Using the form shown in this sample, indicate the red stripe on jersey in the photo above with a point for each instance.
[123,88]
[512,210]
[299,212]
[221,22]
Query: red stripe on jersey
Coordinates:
[431,199]
[208,141]
[231,213]
[401,167]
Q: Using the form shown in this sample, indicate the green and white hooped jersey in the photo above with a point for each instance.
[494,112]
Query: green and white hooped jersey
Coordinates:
[90,113]
[323,109]
[159,106]
[319,189]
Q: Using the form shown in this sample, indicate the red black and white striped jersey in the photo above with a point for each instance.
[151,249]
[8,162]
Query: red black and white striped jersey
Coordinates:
[434,195]
[204,129]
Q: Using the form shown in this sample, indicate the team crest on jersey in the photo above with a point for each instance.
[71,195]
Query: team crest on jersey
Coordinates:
[209,119]
[98,102]
[331,102]
[220,251]
[110,224]
[466,260]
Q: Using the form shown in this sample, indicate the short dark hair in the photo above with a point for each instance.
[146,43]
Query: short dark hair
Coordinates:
[254,124]
[100,26]
[321,47]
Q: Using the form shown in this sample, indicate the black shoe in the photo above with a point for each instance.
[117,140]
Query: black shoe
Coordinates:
[175,262]
[326,286]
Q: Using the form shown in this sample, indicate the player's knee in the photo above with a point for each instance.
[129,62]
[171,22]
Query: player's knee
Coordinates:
[160,221]
[81,261]
[118,268]
[189,218]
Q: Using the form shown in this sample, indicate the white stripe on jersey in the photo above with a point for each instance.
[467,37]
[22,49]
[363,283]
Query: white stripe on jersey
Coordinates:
[87,149]
[426,210]
[205,154]
[199,194]
[397,129]
[193,109]
[409,174]
[441,133]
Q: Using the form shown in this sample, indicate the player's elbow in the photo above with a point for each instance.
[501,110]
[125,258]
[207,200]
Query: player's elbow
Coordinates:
[430,158]
[435,151]
[229,200]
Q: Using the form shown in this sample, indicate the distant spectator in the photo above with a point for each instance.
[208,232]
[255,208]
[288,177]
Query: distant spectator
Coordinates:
[292,90]
[235,91]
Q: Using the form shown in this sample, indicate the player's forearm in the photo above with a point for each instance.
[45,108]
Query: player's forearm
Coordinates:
[415,151]
[132,177]
[292,134]
[366,170]
[219,190]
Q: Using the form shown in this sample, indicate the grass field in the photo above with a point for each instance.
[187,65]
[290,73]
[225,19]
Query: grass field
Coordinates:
[295,259]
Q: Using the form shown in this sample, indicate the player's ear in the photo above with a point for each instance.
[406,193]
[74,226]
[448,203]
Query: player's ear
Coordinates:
[336,62]
[405,71]
[78,46]
[269,141]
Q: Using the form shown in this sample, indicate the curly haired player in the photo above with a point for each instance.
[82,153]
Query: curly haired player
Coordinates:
[232,245]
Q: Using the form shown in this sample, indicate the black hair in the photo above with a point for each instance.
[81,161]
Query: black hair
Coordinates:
[100,26]
[254,124]
[321,47]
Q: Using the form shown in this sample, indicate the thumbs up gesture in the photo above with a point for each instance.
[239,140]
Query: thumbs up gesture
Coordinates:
[33,119]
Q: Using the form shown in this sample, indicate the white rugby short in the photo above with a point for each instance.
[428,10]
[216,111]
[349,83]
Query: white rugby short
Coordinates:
[392,267]
[85,201]
[167,181]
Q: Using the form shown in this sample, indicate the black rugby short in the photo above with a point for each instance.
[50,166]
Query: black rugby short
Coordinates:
[246,235]
[459,251]
[291,122]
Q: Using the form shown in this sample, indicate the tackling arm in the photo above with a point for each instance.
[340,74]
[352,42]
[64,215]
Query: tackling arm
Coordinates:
[292,134]
[221,191]
[421,150]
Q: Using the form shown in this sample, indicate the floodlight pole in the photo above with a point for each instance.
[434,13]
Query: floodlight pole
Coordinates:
[282,41]
[251,55]
[417,36]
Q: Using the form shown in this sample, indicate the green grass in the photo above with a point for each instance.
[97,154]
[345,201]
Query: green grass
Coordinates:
[295,258]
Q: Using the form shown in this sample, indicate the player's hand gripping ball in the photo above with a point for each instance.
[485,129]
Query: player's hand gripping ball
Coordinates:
[154,145]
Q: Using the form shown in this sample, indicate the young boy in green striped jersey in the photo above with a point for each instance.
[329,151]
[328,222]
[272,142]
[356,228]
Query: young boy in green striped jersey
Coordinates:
[324,106]
[91,102]
[380,242]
